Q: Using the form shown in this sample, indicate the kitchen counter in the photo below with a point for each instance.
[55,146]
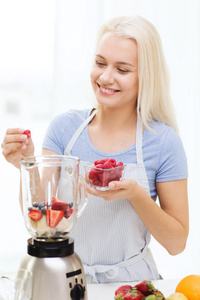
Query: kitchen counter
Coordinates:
[107,291]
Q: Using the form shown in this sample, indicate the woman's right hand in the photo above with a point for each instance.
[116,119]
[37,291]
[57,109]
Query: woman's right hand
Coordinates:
[16,146]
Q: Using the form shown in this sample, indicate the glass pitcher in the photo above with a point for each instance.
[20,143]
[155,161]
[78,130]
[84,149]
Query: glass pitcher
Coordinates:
[53,194]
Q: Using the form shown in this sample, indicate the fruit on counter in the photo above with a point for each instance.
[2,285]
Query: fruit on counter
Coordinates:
[144,290]
[134,294]
[104,171]
[27,132]
[177,296]
[158,294]
[123,290]
[146,287]
[190,287]
[35,214]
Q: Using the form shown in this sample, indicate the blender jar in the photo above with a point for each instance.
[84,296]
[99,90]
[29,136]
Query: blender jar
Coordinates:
[54,195]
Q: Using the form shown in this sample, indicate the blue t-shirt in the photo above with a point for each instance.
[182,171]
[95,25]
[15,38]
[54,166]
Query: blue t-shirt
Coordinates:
[163,153]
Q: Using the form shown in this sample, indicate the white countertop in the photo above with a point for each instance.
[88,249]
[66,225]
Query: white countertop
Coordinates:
[107,291]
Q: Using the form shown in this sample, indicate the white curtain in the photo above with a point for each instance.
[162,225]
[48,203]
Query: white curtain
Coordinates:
[45,59]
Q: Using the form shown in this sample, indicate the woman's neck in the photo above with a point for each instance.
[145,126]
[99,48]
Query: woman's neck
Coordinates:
[116,118]
[113,129]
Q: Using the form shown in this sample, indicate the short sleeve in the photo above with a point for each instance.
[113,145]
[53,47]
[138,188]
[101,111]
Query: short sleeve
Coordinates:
[172,161]
[62,128]
[53,137]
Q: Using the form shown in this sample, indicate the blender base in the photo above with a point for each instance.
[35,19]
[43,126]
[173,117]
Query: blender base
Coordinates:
[55,277]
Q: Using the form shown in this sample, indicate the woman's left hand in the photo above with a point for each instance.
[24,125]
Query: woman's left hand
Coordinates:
[127,188]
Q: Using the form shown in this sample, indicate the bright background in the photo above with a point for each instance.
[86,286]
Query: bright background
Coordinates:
[45,57]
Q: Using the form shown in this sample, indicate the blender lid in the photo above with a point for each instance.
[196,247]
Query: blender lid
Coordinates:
[50,248]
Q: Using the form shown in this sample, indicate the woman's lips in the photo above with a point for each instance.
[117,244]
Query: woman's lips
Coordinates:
[107,91]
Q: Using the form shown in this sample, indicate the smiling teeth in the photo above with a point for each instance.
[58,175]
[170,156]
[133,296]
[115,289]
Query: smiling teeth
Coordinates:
[107,90]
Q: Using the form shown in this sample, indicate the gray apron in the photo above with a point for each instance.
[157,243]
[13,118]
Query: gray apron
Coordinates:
[122,253]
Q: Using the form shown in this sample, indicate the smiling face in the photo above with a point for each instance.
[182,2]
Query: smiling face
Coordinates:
[114,74]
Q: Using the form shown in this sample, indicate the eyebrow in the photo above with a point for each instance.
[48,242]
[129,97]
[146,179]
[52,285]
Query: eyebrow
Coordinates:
[118,62]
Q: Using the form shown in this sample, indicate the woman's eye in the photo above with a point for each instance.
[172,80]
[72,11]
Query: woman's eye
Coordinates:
[100,63]
[122,70]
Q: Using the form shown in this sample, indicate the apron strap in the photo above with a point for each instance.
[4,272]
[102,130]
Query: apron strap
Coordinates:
[139,135]
[78,132]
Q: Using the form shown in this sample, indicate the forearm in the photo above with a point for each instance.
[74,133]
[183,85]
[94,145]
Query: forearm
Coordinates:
[165,228]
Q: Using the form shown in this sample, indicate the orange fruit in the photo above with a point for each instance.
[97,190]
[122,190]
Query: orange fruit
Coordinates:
[190,287]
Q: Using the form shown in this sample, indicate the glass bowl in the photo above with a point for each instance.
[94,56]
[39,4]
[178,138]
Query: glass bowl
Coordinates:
[99,178]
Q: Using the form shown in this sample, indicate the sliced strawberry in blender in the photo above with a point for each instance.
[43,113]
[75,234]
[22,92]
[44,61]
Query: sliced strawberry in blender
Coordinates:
[35,214]
[53,217]
[58,205]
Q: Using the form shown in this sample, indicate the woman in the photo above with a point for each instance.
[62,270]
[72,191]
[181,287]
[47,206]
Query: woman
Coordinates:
[133,123]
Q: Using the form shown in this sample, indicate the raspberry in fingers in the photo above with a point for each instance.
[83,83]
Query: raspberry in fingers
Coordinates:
[16,145]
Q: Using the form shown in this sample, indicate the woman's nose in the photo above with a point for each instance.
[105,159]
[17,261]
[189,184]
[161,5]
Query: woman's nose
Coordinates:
[107,77]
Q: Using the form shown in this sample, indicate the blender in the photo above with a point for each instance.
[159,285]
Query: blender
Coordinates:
[54,195]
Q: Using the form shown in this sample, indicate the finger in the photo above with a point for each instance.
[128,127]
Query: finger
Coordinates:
[11,148]
[14,131]
[123,184]
[14,138]
[115,185]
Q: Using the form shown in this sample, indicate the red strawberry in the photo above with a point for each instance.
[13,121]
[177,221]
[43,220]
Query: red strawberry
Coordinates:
[35,214]
[158,295]
[58,205]
[119,297]
[123,290]
[146,287]
[134,294]
[27,132]
[53,217]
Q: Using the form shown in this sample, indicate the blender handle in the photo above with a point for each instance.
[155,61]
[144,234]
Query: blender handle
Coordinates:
[82,201]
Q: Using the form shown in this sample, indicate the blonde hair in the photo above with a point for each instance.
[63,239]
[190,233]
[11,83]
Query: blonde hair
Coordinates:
[154,100]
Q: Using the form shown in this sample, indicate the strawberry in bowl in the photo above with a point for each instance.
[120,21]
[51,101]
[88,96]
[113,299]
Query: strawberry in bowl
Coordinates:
[103,171]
